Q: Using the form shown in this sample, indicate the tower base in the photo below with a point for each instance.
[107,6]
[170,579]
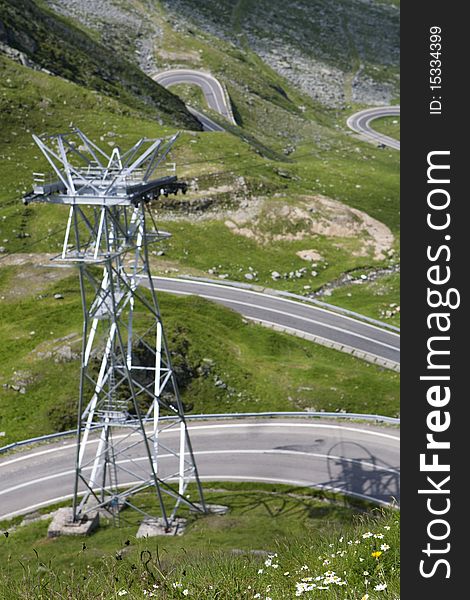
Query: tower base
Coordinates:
[63,524]
[154,527]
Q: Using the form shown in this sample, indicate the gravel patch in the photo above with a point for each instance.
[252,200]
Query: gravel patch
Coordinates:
[121,25]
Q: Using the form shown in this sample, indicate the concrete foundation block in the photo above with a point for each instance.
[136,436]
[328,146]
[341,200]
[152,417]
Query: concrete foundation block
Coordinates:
[213,509]
[153,527]
[62,524]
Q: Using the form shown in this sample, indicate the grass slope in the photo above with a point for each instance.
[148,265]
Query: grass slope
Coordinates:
[226,364]
[293,528]
[287,147]
[377,299]
[215,162]
[314,154]
[35,102]
[388,125]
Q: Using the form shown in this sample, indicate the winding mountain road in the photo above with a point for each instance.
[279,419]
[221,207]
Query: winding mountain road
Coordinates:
[305,320]
[361,121]
[217,99]
[212,89]
[353,458]
[310,322]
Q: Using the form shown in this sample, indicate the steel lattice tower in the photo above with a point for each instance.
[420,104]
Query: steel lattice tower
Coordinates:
[128,394]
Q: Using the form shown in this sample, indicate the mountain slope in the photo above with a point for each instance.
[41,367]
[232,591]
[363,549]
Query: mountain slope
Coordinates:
[265,197]
[338,52]
[57,45]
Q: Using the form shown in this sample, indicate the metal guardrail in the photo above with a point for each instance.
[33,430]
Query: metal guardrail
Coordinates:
[273,292]
[326,415]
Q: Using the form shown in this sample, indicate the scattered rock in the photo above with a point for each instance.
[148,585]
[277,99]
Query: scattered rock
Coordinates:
[391,312]
[283,174]
[310,255]
[65,354]
[349,279]
[301,58]
[220,384]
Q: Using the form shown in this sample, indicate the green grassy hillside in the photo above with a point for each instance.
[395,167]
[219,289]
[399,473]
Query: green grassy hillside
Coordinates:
[259,188]
[276,542]
[223,363]
[261,213]
[62,48]
[289,198]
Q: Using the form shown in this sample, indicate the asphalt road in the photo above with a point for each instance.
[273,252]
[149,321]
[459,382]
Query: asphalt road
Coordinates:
[361,121]
[213,91]
[216,99]
[207,123]
[297,318]
[354,458]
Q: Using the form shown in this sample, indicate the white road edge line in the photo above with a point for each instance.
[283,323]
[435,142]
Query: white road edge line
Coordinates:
[280,298]
[286,314]
[205,427]
[371,466]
